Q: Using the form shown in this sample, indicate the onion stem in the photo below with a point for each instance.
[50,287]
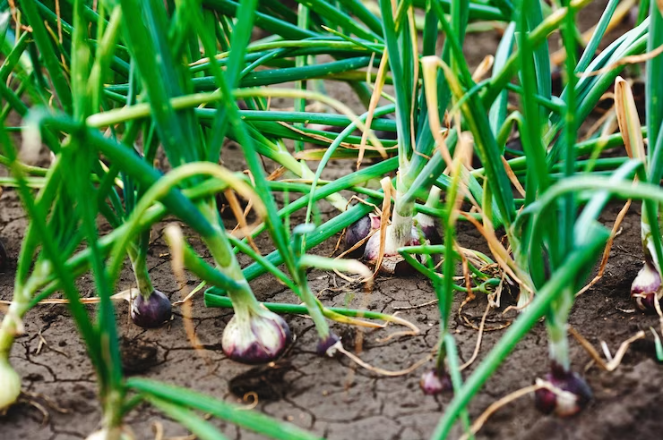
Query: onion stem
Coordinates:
[139,265]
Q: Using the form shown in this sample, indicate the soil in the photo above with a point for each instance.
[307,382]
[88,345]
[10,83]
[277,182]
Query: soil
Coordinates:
[333,397]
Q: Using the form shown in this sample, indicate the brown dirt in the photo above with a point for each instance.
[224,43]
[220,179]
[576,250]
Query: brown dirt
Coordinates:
[332,397]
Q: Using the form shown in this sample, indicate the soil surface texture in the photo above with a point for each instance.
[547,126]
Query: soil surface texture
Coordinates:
[333,397]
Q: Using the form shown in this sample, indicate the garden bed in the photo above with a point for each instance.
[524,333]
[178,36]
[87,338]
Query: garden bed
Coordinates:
[334,397]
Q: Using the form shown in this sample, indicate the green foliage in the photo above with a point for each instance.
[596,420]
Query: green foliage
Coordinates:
[130,81]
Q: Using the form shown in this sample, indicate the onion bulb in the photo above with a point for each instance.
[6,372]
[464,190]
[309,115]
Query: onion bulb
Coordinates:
[255,336]
[10,385]
[328,345]
[356,232]
[569,396]
[646,287]
[151,312]
[435,382]
[423,226]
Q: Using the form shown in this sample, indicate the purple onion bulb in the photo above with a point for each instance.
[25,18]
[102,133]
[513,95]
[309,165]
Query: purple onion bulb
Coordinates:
[255,337]
[427,225]
[573,394]
[392,261]
[152,312]
[357,231]
[435,382]
[327,346]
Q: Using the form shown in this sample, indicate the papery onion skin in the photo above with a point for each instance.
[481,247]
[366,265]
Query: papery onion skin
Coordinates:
[548,401]
[645,288]
[152,312]
[392,261]
[256,339]
[434,382]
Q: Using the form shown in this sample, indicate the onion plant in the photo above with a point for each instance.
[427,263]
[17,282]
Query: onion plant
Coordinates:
[132,80]
[546,124]
[528,241]
[438,379]
[59,233]
[181,145]
[415,139]
[545,144]
[646,288]
[549,224]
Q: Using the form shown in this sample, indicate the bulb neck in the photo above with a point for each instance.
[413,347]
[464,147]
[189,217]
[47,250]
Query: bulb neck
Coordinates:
[243,301]
[112,420]
[402,229]
[219,246]
[11,324]
[139,265]
[556,322]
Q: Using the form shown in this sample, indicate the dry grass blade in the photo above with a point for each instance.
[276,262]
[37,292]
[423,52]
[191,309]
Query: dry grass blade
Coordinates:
[381,371]
[191,294]
[613,362]
[414,330]
[479,338]
[493,408]
[467,276]
[628,120]
[596,357]
[125,295]
[512,177]
[49,401]
[617,359]
[499,252]
[418,306]
[343,319]
[388,189]
[157,429]
[633,59]
[359,244]
[375,99]
[483,68]
[429,67]
[175,238]
[354,321]
[240,217]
